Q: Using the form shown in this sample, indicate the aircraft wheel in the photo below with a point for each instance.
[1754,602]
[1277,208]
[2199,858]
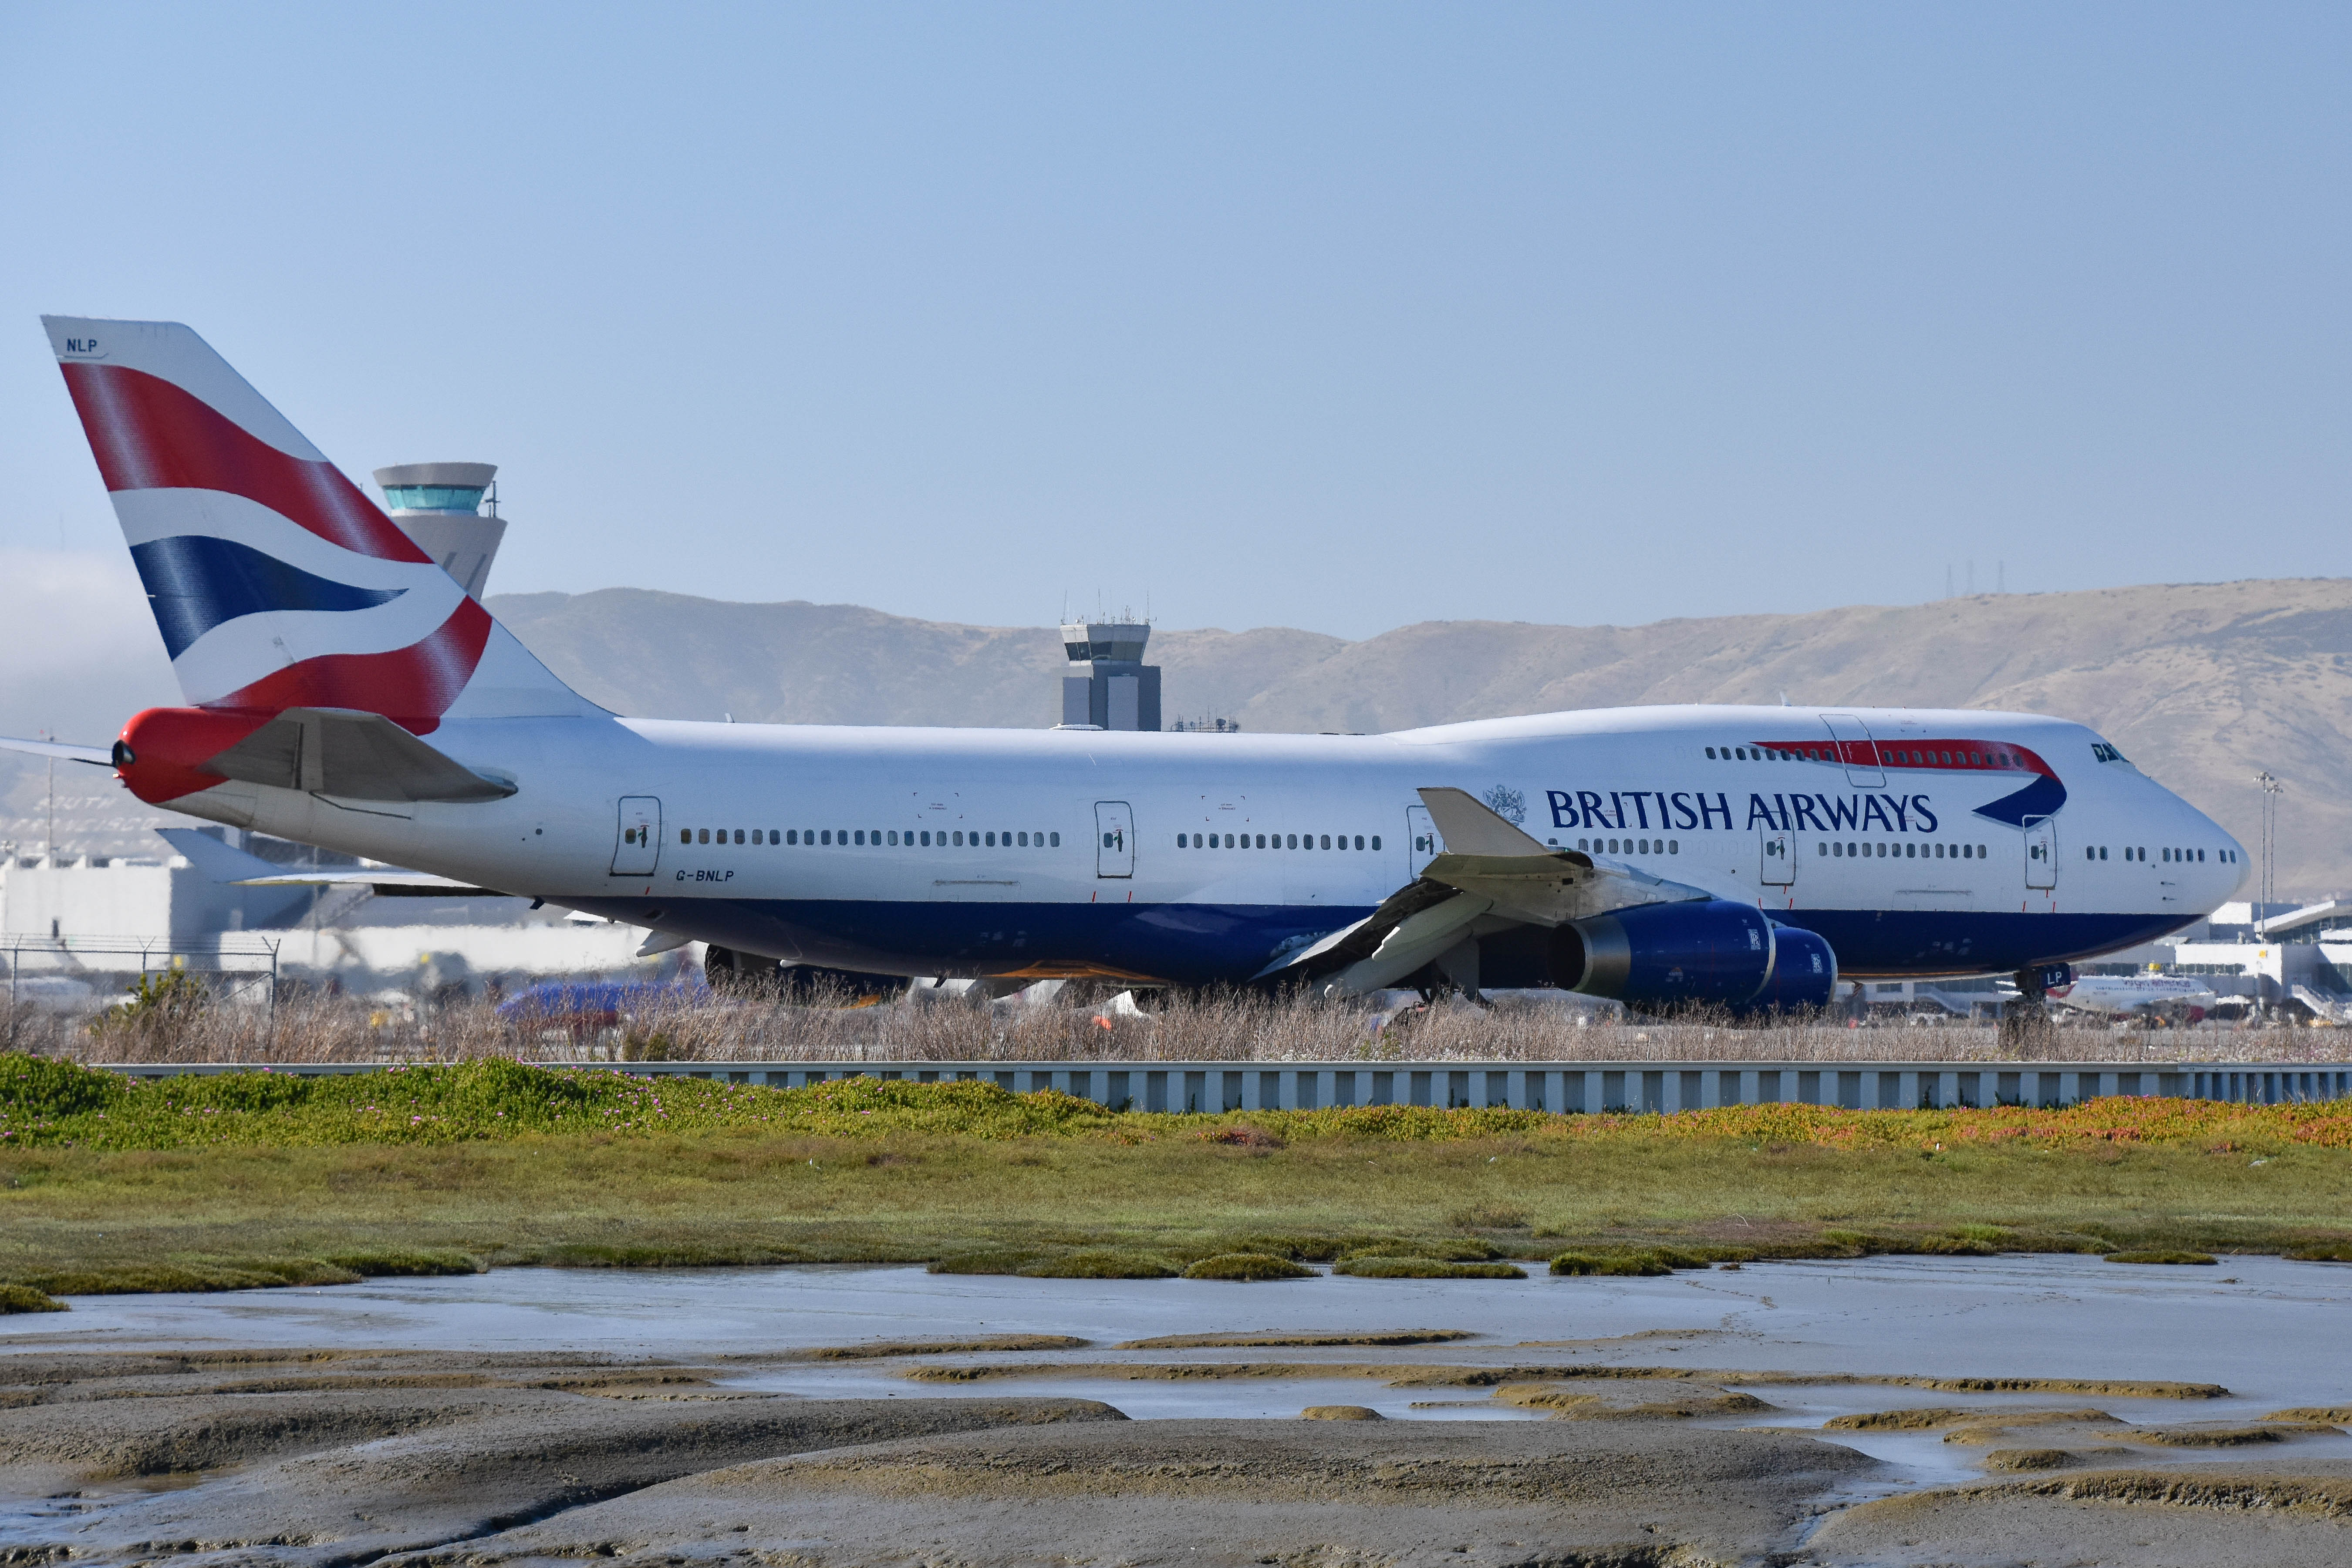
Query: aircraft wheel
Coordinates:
[740,975]
[809,986]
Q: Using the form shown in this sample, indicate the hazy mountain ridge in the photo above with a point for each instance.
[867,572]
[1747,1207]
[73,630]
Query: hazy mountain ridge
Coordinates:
[2203,685]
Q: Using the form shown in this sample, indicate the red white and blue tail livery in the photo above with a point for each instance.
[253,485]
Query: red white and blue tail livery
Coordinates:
[342,689]
[275,582]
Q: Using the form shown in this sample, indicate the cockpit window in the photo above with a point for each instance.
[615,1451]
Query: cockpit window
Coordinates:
[2107,754]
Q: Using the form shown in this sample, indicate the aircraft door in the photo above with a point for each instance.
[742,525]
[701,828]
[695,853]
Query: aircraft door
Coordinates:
[2040,852]
[1778,855]
[636,849]
[1857,750]
[1113,839]
[1421,839]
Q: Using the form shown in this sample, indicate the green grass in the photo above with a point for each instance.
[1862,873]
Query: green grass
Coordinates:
[255,1179]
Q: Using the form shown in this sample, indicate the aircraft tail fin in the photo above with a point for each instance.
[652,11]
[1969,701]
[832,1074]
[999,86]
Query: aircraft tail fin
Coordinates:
[275,582]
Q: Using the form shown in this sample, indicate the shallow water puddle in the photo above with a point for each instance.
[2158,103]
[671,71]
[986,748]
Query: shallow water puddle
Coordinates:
[2262,1327]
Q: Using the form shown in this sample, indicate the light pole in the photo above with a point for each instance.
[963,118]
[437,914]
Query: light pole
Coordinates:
[2271,787]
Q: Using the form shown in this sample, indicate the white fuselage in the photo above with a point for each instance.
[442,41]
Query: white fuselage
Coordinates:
[1002,851]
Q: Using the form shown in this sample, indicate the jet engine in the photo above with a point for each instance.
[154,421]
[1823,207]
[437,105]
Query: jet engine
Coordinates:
[1804,972]
[1707,953]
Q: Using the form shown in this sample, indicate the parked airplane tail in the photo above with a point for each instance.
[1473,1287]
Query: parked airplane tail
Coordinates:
[275,582]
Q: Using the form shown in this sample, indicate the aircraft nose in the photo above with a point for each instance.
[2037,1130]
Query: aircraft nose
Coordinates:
[2231,850]
[2245,863]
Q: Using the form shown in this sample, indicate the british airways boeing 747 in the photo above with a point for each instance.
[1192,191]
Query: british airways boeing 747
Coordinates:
[344,691]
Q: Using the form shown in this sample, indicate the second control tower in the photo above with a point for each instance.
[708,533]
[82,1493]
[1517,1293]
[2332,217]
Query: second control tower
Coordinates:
[1109,686]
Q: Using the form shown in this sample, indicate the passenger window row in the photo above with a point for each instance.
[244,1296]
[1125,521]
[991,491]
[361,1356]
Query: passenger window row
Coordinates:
[1909,849]
[1271,841]
[1630,846]
[1867,756]
[876,838]
[2172,857]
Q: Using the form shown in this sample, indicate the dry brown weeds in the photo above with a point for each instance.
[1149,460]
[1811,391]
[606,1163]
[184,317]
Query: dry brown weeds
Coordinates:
[1227,1027]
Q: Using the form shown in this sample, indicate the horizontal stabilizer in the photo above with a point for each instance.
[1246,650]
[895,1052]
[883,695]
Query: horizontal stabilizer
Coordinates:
[98,757]
[352,756]
[221,863]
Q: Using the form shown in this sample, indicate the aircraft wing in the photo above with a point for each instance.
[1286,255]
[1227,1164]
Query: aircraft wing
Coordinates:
[1491,875]
[97,756]
[221,863]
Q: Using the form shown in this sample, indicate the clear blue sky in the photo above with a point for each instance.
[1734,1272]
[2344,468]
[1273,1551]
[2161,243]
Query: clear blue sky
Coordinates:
[1334,316]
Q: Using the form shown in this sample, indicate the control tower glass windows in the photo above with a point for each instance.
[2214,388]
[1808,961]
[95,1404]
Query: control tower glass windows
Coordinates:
[434,498]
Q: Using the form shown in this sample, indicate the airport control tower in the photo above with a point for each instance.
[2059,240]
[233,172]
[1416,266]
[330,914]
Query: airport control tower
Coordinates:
[1109,686]
[439,505]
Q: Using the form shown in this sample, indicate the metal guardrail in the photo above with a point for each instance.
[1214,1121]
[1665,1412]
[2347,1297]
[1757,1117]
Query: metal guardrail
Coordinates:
[1664,1086]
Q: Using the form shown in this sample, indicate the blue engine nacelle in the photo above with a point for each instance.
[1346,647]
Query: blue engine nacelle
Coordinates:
[1804,972]
[1704,953]
[1663,955]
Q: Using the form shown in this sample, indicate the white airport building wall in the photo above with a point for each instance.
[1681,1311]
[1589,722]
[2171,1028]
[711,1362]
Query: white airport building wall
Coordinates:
[159,900]
[2272,972]
[89,916]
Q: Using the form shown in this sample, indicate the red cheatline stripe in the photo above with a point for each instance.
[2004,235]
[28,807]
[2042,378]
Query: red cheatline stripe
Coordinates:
[148,434]
[1885,755]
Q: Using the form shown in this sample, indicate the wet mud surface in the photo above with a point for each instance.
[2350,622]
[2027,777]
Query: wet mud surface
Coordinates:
[1906,1412]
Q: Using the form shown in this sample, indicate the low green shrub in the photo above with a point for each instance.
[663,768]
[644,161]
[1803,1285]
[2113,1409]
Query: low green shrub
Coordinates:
[144,1279]
[398,1262]
[1871,1244]
[988,1260]
[46,1102]
[25,1299]
[672,1254]
[1425,1268]
[43,1088]
[1683,1256]
[1309,1248]
[1451,1251]
[159,1000]
[2160,1255]
[1098,1263]
[1247,1266]
[1636,1263]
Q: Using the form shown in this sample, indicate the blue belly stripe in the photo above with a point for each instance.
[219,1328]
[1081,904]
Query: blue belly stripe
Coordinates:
[1205,945]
